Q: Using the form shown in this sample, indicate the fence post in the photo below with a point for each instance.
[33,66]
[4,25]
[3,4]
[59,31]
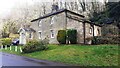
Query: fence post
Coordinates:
[2,47]
[5,47]
[21,49]
[10,48]
[15,48]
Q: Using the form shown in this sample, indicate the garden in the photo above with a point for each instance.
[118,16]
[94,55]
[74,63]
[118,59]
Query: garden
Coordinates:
[72,54]
[81,55]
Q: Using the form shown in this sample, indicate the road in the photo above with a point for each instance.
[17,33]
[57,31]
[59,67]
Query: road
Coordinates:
[14,60]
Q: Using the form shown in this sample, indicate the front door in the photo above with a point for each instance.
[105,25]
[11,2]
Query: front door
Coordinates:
[22,38]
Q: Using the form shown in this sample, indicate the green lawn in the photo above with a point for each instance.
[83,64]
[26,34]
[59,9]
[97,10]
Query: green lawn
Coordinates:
[93,55]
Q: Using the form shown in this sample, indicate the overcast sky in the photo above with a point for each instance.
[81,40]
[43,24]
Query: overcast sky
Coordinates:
[7,5]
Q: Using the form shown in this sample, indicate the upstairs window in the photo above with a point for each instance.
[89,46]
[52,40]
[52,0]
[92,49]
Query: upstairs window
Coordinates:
[39,23]
[52,20]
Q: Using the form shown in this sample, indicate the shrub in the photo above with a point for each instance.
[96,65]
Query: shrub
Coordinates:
[105,40]
[88,40]
[61,36]
[6,41]
[5,35]
[95,40]
[34,45]
[114,40]
[72,36]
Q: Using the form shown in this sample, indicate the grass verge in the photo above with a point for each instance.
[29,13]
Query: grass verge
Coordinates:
[97,55]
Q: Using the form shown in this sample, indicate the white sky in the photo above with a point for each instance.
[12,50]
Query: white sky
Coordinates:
[6,5]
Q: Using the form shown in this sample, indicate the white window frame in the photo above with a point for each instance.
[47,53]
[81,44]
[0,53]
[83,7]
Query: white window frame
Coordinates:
[40,23]
[40,34]
[52,20]
[52,34]
[90,30]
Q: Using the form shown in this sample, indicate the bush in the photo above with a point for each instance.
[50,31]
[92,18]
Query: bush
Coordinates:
[5,35]
[94,40]
[6,41]
[88,40]
[72,36]
[61,36]
[35,45]
[105,40]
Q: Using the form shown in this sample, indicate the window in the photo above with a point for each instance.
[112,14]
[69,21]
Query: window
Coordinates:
[52,33]
[39,23]
[98,31]
[90,30]
[52,20]
[40,34]
[30,35]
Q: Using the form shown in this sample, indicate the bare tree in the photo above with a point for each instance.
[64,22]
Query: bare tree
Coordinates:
[83,5]
[9,26]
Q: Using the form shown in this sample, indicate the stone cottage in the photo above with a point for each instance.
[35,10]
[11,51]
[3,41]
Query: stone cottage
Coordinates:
[61,19]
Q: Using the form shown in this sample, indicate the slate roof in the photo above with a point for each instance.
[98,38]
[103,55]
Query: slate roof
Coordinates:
[64,10]
[93,23]
[57,12]
[27,29]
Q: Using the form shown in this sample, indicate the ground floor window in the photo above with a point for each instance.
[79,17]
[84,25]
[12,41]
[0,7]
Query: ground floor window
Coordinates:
[90,31]
[40,34]
[52,33]
[98,31]
[30,35]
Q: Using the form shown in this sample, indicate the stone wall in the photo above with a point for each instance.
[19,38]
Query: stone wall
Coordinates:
[46,27]
[59,23]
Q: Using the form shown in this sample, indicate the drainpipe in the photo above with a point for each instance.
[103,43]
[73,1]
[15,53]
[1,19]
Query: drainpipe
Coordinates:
[66,23]
[93,30]
[84,31]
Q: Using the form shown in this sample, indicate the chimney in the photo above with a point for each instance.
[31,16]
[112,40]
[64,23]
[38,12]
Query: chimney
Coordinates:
[55,7]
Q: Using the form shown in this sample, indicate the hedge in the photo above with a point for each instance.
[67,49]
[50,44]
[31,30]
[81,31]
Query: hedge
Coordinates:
[72,36]
[105,40]
[61,36]
[6,41]
[69,35]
